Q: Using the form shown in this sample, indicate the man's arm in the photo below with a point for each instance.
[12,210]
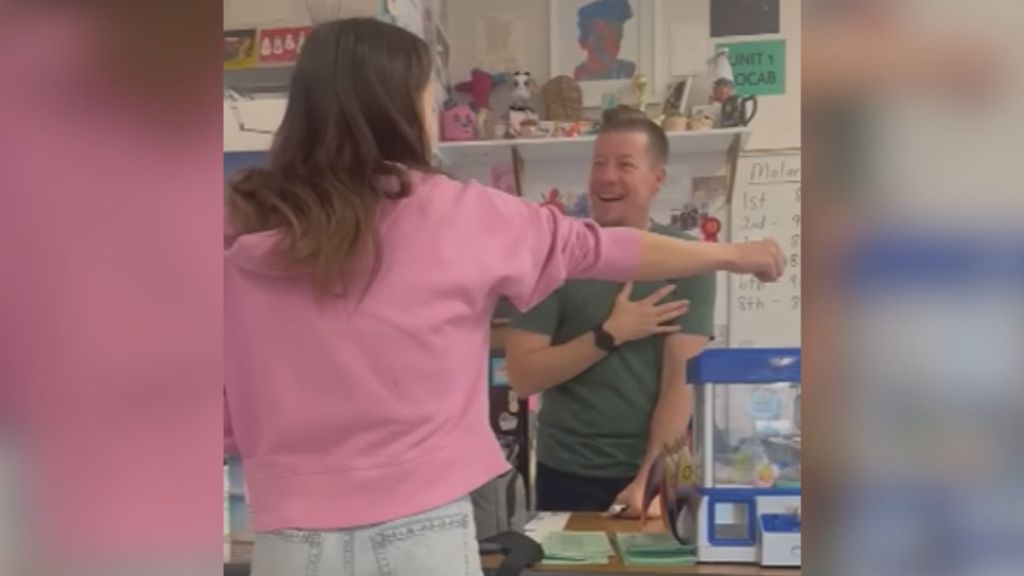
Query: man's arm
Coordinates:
[675,406]
[671,413]
[534,365]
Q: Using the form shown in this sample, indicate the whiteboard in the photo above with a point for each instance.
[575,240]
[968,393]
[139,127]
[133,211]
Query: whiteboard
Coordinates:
[766,204]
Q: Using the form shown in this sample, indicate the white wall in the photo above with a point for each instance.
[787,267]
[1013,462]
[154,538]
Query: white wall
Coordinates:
[264,13]
[777,124]
[286,13]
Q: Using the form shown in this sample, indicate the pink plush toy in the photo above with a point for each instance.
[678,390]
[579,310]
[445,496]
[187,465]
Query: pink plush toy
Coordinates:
[458,123]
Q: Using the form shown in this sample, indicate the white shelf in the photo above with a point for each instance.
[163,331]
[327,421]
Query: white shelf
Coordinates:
[716,141]
[475,152]
[261,116]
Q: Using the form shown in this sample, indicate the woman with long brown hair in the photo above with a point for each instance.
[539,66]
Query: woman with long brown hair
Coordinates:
[359,284]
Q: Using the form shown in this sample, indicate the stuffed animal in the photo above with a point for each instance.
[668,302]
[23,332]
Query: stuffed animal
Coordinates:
[458,122]
[521,111]
[479,87]
[523,88]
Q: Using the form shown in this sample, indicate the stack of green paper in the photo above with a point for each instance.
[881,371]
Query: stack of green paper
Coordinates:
[577,548]
[654,550]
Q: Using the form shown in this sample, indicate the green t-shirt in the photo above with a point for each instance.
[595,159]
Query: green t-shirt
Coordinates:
[597,423]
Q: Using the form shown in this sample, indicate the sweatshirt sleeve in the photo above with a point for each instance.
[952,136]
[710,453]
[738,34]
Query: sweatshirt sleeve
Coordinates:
[230,448]
[538,249]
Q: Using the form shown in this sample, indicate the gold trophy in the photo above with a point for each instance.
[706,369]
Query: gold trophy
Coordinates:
[640,90]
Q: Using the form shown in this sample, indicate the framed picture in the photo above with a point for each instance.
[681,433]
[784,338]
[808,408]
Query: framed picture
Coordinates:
[677,94]
[604,44]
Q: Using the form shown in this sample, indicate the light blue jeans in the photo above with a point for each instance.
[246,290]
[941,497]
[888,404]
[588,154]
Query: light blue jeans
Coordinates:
[441,542]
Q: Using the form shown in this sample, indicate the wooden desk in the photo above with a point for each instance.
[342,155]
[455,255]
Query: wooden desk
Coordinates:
[594,523]
[588,523]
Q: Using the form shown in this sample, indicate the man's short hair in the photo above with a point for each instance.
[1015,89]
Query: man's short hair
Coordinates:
[627,119]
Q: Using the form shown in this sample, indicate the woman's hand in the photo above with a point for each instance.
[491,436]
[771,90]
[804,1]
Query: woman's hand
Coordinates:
[762,258]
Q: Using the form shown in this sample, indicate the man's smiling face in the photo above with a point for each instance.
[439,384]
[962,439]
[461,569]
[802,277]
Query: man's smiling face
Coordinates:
[624,178]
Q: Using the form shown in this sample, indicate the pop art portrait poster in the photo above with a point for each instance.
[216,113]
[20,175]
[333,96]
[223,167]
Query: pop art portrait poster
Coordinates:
[603,44]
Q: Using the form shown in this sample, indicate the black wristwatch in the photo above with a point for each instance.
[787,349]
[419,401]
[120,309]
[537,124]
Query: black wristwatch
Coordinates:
[603,339]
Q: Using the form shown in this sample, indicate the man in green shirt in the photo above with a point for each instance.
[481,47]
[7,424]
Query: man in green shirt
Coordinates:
[609,358]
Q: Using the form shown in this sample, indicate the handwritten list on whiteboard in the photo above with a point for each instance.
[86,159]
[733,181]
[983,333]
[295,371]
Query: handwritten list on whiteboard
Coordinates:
[766,204]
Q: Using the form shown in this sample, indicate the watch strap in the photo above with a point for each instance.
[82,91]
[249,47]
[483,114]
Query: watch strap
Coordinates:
[603,339]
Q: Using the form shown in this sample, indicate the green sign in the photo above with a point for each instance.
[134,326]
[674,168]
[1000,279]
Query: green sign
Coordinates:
[758,67]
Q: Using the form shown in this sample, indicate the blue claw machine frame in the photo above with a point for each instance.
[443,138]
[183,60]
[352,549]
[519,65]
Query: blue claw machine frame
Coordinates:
[746,440]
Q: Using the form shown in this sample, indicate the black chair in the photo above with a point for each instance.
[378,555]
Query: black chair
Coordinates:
[520,551]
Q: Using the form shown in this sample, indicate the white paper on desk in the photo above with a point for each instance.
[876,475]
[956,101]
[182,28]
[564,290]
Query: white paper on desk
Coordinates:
[546,523]
[688,49]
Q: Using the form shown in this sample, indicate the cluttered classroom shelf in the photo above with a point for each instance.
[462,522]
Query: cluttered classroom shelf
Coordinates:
[471,152]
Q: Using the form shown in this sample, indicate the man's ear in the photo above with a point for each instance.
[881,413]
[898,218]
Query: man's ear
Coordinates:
[659,175]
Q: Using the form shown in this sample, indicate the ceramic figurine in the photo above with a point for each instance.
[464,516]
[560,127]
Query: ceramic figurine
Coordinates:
[723,85]
[458,122]
[563,99]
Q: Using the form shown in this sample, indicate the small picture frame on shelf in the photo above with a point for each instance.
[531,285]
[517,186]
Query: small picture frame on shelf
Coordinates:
[676,97]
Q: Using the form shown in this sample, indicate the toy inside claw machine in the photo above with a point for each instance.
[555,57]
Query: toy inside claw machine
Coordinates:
[746,441]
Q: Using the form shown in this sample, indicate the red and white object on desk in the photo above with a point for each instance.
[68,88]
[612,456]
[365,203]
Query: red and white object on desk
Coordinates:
[282,45]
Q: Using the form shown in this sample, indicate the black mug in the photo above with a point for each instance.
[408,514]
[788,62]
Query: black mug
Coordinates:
[735,112]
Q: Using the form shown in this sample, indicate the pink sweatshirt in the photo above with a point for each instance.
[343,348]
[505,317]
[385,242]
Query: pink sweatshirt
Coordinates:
[354,413]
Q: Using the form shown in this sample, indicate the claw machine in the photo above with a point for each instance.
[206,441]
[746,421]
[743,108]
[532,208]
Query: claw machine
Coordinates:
[747,450]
